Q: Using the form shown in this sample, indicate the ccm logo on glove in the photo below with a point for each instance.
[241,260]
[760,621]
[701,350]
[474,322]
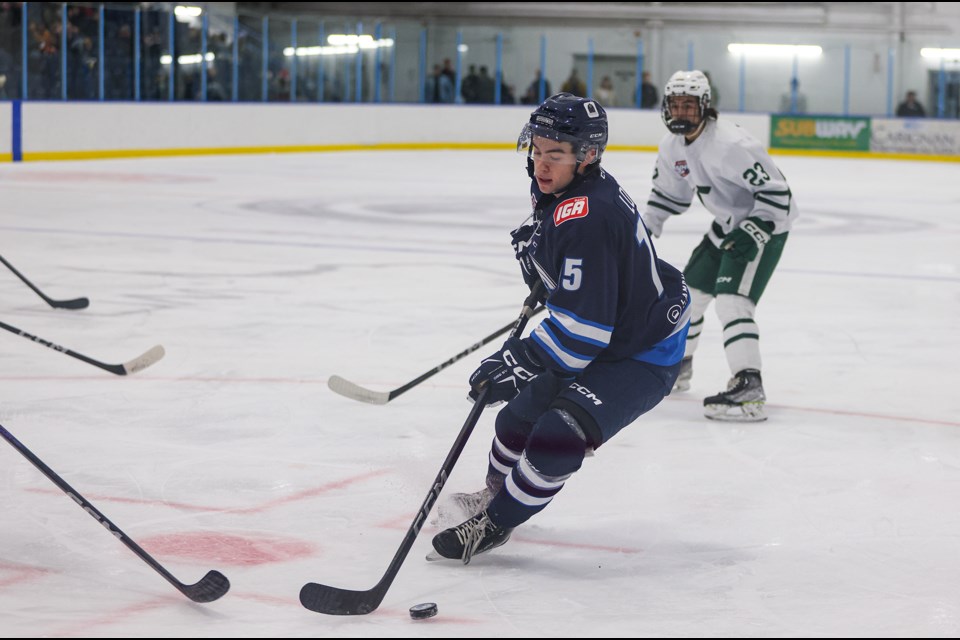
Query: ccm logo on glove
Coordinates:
[506,372]
[759,235]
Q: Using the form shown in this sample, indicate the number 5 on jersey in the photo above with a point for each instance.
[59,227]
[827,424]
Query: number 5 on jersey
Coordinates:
[572,273]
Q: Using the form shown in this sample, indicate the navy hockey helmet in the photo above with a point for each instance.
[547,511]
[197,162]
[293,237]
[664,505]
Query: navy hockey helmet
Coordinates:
[565,117]
[686,83]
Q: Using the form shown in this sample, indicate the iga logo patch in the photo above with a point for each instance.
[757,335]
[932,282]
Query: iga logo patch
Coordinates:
[570,210]
[681,168]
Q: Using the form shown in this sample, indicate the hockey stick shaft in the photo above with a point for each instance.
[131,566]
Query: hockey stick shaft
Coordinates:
[76,303]
[141,362]
[345,602]
[354,391]
[212,586]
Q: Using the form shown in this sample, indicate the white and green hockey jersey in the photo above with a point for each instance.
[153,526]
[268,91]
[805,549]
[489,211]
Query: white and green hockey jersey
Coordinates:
[731,173]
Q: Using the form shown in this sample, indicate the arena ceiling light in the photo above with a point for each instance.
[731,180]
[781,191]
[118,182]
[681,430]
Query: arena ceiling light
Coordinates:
[340,44]
[320,51]
[362,41]
[187,12]
[191,58]
[940,54]
[776,50]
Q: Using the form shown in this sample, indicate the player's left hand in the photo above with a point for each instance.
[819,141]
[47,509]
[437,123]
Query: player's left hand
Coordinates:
[745,241]
[506,372]
[524,240]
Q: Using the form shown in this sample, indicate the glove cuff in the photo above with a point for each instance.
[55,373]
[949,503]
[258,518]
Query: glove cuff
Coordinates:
[759,230]
[526,350]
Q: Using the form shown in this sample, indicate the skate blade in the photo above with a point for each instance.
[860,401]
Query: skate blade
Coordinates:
[433,556]
[751,412]
[681,386]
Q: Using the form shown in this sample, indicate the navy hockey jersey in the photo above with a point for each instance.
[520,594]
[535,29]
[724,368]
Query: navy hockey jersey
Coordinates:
[609,296]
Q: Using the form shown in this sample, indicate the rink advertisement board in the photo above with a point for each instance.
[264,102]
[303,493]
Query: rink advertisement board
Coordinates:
[820,132]
[915,135]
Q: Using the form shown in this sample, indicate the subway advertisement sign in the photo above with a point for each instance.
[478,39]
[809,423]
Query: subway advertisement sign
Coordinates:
[819,132]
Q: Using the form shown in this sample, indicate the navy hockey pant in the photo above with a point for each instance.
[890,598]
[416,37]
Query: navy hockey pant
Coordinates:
[543,433]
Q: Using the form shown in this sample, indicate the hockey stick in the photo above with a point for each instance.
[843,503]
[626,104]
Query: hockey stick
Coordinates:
[355,392]
[209,588]
[76,303]
[345,602]
[140,362]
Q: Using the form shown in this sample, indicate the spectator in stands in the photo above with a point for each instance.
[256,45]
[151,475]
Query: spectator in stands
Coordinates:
[910,108]
[439,88]
[6,72]
[574,85]
[469,88]
[793,101]
[649,99]
[532,95]
[450,72]
[485,86]
[605,94]
[507,94]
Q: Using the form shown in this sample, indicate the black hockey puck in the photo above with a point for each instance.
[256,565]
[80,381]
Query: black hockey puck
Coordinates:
[423,611]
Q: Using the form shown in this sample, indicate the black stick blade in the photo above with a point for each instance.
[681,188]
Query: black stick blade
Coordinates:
[211,587]
[76,303]
[340,602]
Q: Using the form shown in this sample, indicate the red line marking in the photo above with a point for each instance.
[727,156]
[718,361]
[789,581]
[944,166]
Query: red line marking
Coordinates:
[301,495]
[104,498]
[92,176]
[307,381]
[310,493]
[83,628]
[141,378]
[861,414]
[22,573]
[267,599]
[238,550]
[843,412]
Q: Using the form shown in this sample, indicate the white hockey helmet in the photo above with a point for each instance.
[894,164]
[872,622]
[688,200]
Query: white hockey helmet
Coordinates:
[685,83]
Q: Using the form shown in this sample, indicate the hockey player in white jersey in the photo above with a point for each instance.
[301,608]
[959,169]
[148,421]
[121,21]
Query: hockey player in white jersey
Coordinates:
[753,208]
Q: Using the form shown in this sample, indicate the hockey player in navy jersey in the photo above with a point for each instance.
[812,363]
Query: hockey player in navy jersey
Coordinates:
[753,209]
[609,350]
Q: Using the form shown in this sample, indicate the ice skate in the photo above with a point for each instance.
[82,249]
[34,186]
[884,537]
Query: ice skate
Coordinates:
[742,401]
[476,535]
[686,372]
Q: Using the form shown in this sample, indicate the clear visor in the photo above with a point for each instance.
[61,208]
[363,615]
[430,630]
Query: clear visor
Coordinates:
[544,144]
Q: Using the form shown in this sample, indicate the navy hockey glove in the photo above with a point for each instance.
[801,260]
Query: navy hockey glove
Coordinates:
[507,372]
[524,240]
[745,241]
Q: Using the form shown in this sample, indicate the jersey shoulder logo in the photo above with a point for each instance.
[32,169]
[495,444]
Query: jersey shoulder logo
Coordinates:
[681,168]
[571,209]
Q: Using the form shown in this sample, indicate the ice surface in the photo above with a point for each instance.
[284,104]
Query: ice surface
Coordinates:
[264,275]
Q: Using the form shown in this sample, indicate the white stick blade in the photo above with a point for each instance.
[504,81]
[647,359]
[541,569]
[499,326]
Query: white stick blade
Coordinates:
[144,361]
[355,392]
